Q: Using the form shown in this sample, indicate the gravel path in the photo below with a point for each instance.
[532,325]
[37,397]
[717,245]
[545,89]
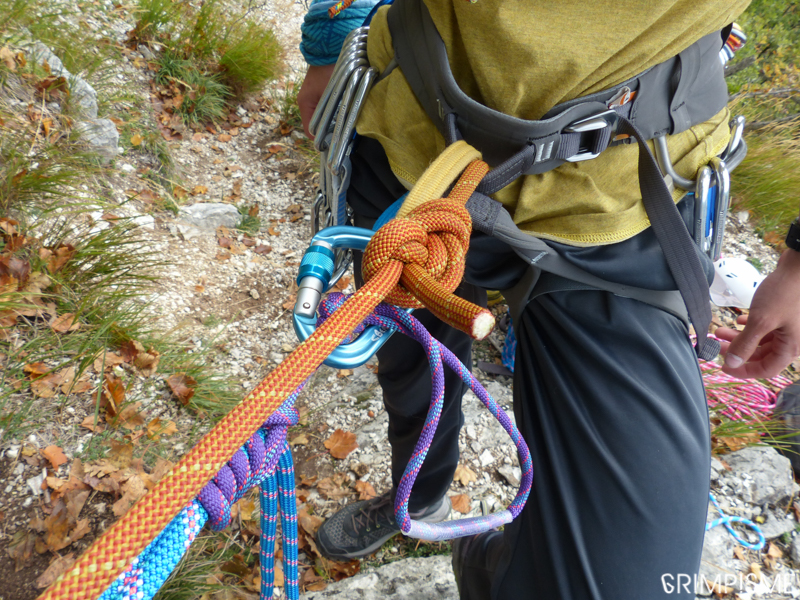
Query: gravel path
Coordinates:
[238,298]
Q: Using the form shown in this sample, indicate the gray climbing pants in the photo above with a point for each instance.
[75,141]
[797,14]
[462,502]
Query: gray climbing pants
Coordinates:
[609,397]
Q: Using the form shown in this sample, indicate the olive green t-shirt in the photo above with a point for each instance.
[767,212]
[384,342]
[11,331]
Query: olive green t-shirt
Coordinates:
[522,57]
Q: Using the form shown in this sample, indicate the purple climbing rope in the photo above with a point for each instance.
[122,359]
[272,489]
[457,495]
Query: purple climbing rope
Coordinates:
[396,319]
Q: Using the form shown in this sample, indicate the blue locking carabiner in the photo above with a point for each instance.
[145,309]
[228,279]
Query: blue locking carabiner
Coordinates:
[313,280]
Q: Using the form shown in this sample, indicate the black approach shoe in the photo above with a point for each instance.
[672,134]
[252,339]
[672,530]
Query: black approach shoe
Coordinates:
[474,560]
[360,529]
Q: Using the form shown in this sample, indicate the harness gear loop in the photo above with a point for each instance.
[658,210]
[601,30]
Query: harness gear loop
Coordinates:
[431,242]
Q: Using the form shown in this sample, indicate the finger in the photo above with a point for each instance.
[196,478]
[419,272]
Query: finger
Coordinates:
[767,367]
[725,333]
[744,345]
[306,112]
[742,319]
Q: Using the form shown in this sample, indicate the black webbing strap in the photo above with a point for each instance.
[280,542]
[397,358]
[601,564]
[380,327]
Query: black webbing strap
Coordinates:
[679,250]
[491,218]
[676,244]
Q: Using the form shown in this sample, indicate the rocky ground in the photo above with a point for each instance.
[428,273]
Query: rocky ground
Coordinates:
[235,291]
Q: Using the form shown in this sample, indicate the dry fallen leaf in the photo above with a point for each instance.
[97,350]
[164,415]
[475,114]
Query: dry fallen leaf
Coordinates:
[365,490]
[60,565]
[343,282]
[136,140]
[339,570]
[774,551]
[20,548]
[464,475]
[107,361]
[64,323]
[461,503]
[7,56]
[341,443]
[224,137]
[300,440]
[183,386]
[133,489]
[333,488]
[199,190]
[156,428]
[312,582]
[45,387]
[36,370]
[55,456]
[113,395]
[309,523]
[129,417]
[90,424]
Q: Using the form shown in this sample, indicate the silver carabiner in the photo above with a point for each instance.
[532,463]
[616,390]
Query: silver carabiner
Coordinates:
[344,146]
[723,181]
[342,111]
[333,102]
[701,222]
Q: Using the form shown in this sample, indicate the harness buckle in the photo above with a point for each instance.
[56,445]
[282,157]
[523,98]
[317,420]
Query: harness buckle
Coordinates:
[594,126]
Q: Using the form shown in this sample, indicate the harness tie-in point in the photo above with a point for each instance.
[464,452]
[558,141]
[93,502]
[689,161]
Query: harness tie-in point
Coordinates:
[431,241]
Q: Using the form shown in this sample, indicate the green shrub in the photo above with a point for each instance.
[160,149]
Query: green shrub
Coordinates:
[208,52]
[205,98]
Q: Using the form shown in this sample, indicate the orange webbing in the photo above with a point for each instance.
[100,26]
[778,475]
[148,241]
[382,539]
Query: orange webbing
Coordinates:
[109,555]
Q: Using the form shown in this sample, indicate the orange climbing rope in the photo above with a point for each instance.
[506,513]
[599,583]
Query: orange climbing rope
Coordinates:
[421,254]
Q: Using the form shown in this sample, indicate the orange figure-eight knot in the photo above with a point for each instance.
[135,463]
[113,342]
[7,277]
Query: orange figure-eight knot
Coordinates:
[432,242]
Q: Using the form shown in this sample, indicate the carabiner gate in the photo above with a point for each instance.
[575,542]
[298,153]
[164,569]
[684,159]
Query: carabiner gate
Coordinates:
[314,279]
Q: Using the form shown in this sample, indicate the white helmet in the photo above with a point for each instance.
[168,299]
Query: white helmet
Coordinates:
[735,282]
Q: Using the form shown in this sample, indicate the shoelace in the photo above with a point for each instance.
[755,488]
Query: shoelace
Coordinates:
[364,517]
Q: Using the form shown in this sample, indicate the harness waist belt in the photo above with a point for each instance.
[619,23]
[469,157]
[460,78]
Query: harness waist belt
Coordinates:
[669,98]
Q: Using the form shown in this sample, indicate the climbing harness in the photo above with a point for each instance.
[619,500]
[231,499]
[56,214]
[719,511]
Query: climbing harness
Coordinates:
[669,98]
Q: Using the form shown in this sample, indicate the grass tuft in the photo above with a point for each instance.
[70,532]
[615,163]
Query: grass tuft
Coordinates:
[252,58]
[212,56]
[768,179]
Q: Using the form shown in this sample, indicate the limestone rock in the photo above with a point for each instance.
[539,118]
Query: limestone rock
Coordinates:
[410,579]
[81,93]
[101,135]
[759,475]
[211,215]
[776,524]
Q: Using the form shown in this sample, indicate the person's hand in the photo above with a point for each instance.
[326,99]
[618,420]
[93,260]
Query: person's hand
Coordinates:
[771,337]
[311,91]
